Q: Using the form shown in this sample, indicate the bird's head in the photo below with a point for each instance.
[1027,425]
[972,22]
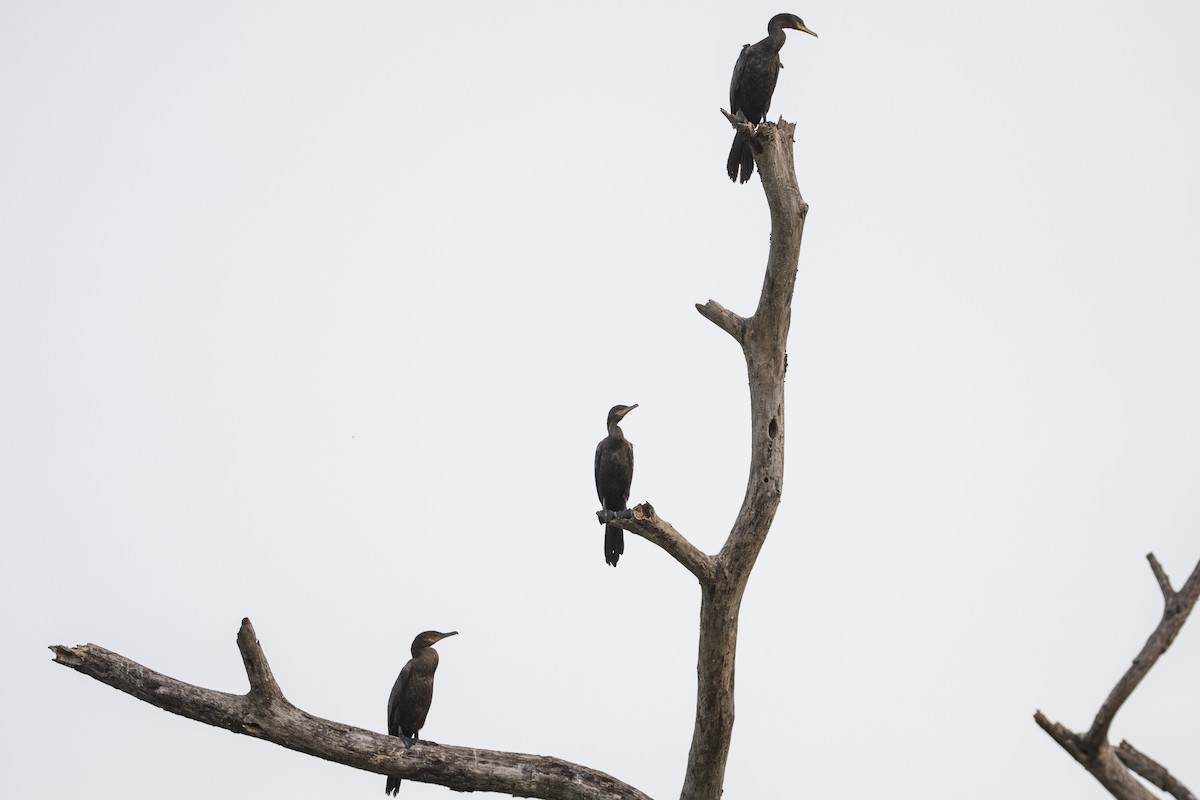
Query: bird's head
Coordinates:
[428,639]
[788,21]
[617,413]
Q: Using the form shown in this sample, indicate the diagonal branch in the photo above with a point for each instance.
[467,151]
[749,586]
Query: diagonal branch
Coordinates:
[1176,608]
[1160,575]
[643,521]
[1152,771]
[724,319]
[1067,739]
[739,123]
[1108,765]
[265,714]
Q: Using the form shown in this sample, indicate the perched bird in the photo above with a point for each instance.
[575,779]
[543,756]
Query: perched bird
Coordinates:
[754,78]
[408,704]
[614,474]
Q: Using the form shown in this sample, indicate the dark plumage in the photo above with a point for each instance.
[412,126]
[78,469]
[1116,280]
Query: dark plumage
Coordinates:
[754,78]
[408,704]
[614,474]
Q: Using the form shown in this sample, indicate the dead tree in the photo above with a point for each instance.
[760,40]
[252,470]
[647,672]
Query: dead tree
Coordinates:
[1114,766]
[266,714]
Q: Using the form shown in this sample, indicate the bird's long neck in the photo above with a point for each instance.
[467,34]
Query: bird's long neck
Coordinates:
[775,38]
[426,655]
[614,430]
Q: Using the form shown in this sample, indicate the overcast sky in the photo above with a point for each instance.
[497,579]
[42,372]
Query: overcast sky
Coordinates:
[312,313]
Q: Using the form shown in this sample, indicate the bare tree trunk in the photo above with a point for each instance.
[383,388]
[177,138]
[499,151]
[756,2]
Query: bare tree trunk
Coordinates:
[1112,766]
[266,714]
[723,577]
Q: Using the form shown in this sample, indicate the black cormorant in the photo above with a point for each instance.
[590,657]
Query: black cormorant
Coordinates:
[614,474]
[408,704]
[754,77]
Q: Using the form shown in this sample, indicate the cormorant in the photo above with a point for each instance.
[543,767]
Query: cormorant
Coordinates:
[614,474]
[754,77]
[412,693]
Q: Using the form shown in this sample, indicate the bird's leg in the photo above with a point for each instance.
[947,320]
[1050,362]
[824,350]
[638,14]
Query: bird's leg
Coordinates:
[604,515]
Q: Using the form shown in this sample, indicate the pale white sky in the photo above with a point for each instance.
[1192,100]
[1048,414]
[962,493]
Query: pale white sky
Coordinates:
[314,314]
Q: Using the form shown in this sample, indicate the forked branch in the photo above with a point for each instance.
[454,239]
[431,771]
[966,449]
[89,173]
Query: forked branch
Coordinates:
[265,713]
[1111,766]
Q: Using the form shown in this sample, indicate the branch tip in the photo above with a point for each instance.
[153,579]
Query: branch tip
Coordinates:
[738,123]
[1160,575]
[69,656]
[724,319]
[258,670]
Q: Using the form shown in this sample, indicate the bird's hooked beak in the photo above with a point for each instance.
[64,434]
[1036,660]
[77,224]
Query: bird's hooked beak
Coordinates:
[446,635]
[628,409]
[801,27]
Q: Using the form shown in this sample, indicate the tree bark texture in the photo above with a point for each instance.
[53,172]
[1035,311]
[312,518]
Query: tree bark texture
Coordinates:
[265,713]
[1152,771]
[1114,767]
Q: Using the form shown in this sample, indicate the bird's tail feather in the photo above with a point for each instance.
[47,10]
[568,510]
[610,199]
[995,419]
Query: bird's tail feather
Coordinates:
[614,543]
[741,158]
[393,786]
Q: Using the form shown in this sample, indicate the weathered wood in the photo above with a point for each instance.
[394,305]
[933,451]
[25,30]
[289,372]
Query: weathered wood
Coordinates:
[265,713]
[724,319]
[642,520]
[1111,766]
[1152,771]
[763,338]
